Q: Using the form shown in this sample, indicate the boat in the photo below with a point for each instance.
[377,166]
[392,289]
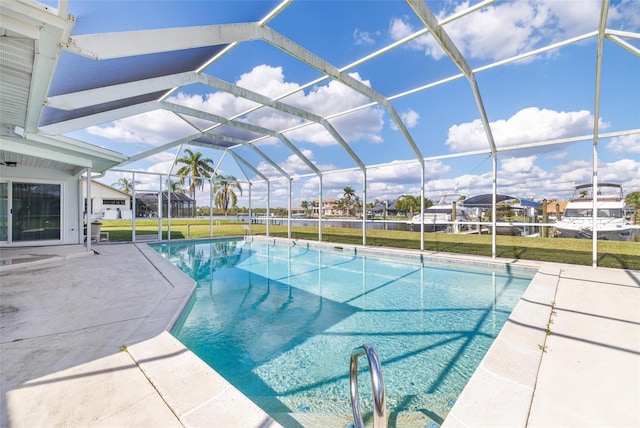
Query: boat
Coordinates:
[440,217]
[612,221]
[521,207]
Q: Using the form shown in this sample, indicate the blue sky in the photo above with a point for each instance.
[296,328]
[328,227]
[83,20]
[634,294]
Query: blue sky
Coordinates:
[540,98]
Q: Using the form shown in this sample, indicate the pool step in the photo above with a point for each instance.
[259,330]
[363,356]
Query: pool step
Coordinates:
[324,420]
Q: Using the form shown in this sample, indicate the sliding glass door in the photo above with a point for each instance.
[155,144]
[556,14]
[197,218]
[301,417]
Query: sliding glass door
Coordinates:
[4,212]
[35,212]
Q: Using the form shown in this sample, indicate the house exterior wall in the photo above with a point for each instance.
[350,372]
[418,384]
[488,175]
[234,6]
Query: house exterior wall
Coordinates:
[101,193]
[328,206]
[71,226]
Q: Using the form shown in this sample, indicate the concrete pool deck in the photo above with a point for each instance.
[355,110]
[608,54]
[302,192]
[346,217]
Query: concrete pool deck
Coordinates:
[83,342]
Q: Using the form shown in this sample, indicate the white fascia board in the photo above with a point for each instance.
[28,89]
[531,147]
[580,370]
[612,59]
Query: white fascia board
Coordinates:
[131,43]
[44,65]
[28,150]
[105,94]
[31,13]
[18,28]
[97,119]
[69,144]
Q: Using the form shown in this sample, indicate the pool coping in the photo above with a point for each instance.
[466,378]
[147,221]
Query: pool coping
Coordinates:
[508,370]
[193,391]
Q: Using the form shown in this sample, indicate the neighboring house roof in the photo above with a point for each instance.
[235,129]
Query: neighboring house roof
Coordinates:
[391,206]
[174,196]
[109,188]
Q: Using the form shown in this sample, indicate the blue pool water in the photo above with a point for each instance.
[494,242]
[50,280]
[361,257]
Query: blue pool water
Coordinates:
[280,321]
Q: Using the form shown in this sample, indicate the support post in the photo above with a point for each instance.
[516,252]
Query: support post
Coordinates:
[160,209]
[545,219]
[88,226]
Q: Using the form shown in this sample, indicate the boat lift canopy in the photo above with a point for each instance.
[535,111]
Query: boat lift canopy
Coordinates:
[486,201]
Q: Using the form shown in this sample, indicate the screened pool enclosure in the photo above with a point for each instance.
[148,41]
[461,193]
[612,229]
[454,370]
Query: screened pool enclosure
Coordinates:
[299,99]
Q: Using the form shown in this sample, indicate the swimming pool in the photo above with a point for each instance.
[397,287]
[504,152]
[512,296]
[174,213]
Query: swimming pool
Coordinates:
[279,321]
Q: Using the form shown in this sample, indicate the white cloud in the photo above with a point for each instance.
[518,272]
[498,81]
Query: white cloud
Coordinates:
[163,156]
[363,37]
[293,165]
[399,29]
[155,128]
[627,13]
[161,126]
[386,182]
[557,156]
[499,31]
[526,126]
[361,125]
[510,28]
[406,172]
[410,118]
[575,172]
[517,165]
[625,144]
[517,174]
[575,165]
[266,80]
[619,171]
[162,167]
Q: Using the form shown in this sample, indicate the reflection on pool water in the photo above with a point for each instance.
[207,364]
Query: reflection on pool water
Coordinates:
[280,321]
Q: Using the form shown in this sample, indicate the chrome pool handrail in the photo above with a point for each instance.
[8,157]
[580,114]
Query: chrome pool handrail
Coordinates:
[377,386]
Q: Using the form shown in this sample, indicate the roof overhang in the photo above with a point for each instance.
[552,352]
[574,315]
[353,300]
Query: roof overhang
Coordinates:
[32,35]
[41,151]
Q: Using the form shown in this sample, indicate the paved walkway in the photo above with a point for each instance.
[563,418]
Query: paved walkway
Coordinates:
[65,315]
[569,356]
[84,344]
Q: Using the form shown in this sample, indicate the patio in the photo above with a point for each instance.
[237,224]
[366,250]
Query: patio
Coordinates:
[67,313]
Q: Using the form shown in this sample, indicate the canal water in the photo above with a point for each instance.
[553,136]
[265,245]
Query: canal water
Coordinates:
[354,224]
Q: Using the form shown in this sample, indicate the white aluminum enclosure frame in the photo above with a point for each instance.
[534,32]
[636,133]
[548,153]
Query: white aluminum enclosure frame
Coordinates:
[120,45]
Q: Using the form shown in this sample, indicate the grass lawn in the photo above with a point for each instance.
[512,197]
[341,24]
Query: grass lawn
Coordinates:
[614,254]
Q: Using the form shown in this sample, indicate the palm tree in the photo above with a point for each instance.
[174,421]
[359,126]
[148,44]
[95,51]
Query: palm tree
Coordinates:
[340,205]
[407,204]
[196,169]
[349,193]
[306,205]
[125,185]
[357,204]
[175,187]
[633,200]
[223,193]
